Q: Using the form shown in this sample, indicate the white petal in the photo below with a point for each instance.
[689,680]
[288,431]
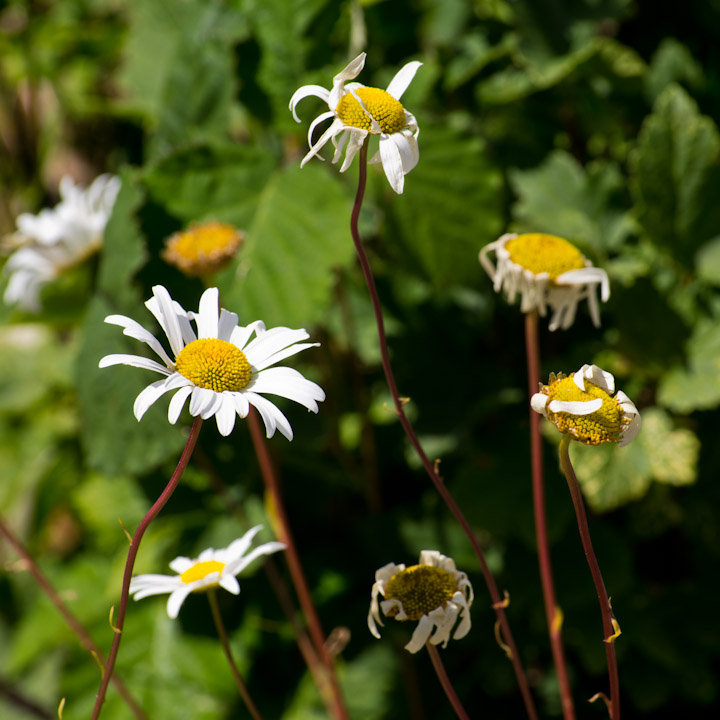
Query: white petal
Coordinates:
[181,564]
[239,547]
[307,91]
[392,163]
[319,119]
[336,126]
[240,335]
[225,416]
[271,415]
[399,84]
[207,317]
[538,402]
[230,583]
[631,431]
[136,331]
[356,138]
[349,72]
[177,403]
[166,315]
[242,406]
[575,407]
[408,147]
[445,619]
[599,377]
[226,326]
[374,127]
[420,635]
[134,361]
[290,384]
[176,600]
[267,343]
[264,549]
[148,396]
[203,402]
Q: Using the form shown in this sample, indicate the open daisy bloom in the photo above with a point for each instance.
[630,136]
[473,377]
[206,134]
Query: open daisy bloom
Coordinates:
[357,110]
[545,270]
[220,369]
[57,239]
[211,569]
[582,405]
[203,249]
[432,592]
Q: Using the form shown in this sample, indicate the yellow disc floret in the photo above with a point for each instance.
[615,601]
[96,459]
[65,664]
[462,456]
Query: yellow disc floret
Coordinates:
[602,426]
[214,364]
[540,253]
[388,113]
[200,570]
[203,249]
[421,589]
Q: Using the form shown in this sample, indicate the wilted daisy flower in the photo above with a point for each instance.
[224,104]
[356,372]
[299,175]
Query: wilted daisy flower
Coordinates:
[432,592]
[204,248]
[357,110]
[57,239]
[582,405]
[211,569]
[545,270]
[220,369]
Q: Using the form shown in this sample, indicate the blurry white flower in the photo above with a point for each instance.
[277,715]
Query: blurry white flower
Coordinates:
[357,110]
[211,569]
[220,369]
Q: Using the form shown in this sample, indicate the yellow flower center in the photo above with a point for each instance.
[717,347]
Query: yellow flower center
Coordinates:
[540,253]
[200,570]
[204,248]
[214,364]
[421,589]
[602,426]
[388,113]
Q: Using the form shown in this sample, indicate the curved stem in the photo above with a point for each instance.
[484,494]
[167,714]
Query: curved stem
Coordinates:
[220,627]
[293,560]
[610,627]
[497,603]
[132,554]
[445,682]
[73,623]
[553,613]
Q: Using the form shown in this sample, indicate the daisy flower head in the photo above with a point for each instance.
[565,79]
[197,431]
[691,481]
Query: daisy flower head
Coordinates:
[547,271]
[584,406]
[203,249]
[57,239]
[432,592]
[212,568]
[357,111]
[224,368]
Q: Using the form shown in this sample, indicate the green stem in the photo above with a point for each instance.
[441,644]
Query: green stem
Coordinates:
[610,628]
[445,682]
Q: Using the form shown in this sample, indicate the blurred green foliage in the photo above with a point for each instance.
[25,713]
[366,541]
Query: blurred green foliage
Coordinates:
[592,120]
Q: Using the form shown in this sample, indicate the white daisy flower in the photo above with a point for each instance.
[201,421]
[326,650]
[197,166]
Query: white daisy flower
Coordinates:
[582,405]
[211,569]
[357,110]
[545,270]
[432,592]
[58,239]
[220,369]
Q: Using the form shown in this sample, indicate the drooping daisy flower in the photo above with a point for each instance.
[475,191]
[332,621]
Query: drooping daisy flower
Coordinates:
[357,110]
[220,369]
[58,239]
[204,248]
[545,270]
[211,569]
[432,592]
[582,405]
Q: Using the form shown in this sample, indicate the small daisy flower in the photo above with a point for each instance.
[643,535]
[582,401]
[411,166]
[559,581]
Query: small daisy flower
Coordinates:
[357,110]
[545,270]
[211,569]
[582,405]
[432,592]
[203,249]
[220,369]
[58,239]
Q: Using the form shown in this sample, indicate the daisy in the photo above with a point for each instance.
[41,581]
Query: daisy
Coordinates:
[582,405]
[432,592]
[547,271]
[57,239]
[357,110]
[211,569]
[203,249]
[220,369]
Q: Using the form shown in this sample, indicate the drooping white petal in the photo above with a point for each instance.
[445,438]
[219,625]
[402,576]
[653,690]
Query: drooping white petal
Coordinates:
[148,396]
[420,635]
[230,583]
[271,415]
[349,72]
[399,84]
[538,402]
[177,402]
[336,126]
[356,138]
[392,163]
[575,407]
[307,91]
[176,600]
[225,415]
[319,119]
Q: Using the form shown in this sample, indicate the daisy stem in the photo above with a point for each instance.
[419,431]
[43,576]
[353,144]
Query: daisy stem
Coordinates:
[132,554]
[497,603]
[445,682]
[293,560]
[610,627]
[73,623]
[553,613]
[222,634]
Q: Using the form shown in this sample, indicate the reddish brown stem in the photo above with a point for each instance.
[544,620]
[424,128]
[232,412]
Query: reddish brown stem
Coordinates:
[553,613]
[497,603]
[445,682]
[132,554]
[610,629]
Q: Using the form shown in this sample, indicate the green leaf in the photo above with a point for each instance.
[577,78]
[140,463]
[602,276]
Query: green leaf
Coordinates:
[707,262]
[672,62]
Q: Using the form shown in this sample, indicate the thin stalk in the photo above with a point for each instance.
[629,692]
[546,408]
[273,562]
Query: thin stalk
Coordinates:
[293,559]
[132,554]
[73,623]
[220,627]
[445,682]
[497,602]
[553,613]
[610,629]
